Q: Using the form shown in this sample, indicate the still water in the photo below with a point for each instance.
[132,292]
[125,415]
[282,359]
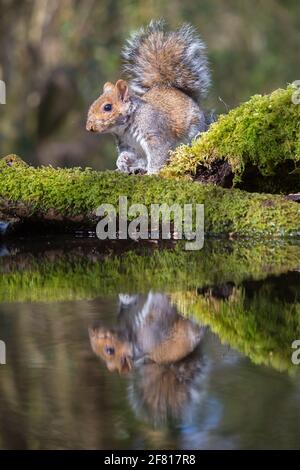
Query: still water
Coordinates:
[149,348]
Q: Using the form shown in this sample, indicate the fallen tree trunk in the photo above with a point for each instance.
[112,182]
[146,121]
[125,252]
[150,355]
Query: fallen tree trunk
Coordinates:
[255,147]
[68,198]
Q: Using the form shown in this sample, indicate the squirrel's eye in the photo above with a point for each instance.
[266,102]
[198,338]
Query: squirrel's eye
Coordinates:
[109,350]
[107,107]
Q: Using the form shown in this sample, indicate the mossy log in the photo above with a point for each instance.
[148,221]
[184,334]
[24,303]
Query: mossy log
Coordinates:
[255,147]
[69,198]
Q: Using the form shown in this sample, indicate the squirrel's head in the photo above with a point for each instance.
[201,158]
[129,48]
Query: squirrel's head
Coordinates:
[109,346]
[110,111]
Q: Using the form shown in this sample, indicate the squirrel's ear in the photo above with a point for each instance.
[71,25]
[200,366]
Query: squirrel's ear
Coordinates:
[108,87]
[122,90]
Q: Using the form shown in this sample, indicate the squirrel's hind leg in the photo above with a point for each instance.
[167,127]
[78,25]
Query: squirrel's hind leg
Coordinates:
[157,155]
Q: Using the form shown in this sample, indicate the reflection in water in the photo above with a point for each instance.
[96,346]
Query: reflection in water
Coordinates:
[177,383]
[162,346]
[259,319]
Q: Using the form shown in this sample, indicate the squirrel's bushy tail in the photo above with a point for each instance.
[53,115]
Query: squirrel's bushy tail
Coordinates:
[154,57]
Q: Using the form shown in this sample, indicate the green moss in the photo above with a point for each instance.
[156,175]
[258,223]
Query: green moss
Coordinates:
[59,193]
[263,133]
[57,276]
[262,326]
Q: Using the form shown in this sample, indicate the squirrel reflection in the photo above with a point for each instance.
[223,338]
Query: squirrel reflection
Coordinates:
[161,345]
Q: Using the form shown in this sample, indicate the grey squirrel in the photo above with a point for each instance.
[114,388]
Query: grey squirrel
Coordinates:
[159,108]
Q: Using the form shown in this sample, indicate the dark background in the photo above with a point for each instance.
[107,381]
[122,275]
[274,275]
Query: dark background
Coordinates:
[55,56]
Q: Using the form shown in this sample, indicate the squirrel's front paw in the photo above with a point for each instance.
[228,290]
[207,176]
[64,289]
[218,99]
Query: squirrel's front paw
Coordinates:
[125,162]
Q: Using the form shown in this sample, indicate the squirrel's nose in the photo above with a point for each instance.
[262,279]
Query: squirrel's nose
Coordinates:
[89,126]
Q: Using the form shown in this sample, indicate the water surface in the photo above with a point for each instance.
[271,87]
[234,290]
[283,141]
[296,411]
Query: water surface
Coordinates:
[149,348]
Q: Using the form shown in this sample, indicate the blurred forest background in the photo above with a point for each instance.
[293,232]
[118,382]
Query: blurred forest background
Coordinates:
[55,56]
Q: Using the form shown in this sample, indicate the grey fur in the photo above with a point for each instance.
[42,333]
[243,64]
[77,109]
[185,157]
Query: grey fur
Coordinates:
[144,144]
[156,140]
[190,73]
